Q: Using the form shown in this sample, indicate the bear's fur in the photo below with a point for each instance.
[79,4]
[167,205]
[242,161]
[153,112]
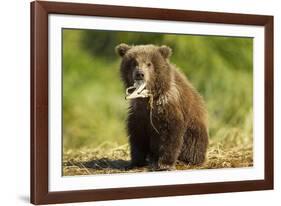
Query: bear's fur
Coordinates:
[178,113]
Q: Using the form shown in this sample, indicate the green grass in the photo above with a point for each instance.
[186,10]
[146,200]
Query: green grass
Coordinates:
[94,108]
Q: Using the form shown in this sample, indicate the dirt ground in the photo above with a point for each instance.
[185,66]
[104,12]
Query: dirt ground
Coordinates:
[106,160]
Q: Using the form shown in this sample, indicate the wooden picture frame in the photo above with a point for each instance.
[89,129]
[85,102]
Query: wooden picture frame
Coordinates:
[40,193]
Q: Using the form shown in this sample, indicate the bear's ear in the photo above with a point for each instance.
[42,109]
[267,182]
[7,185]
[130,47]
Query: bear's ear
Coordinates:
[122,48]
[165,51]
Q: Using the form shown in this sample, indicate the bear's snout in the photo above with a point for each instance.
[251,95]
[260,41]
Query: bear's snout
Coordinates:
[138,75]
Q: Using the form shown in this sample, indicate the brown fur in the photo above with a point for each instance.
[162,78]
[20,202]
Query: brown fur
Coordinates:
[178,110]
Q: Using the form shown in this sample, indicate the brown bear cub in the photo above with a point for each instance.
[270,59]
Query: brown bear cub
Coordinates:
[168,124]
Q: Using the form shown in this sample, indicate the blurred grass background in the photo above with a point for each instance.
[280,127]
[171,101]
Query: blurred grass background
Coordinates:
[94,108]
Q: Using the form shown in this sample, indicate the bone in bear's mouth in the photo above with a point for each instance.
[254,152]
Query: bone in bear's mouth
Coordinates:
[138,90]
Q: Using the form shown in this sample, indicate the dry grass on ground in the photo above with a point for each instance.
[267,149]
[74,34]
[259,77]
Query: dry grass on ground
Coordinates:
[103,160]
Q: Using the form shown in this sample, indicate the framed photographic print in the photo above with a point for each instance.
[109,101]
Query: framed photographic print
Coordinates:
[131,102]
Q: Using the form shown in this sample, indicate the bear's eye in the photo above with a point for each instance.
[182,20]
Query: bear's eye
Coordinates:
[149,64]
[134,63]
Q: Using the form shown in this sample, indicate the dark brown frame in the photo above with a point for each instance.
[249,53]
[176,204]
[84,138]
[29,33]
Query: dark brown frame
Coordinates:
[39,102]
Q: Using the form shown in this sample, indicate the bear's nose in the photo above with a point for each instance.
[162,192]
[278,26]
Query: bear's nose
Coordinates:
[139,75]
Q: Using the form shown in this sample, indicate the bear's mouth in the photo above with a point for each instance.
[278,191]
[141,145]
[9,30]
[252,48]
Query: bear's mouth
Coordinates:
[138,90]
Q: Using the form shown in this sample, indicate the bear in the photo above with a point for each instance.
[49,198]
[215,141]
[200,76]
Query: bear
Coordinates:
[171,125]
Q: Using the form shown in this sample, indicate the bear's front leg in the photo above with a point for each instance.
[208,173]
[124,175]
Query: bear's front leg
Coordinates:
[139,143]
[138,153]
[166,146]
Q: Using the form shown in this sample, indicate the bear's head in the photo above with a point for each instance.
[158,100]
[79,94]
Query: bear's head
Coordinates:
[148,63]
